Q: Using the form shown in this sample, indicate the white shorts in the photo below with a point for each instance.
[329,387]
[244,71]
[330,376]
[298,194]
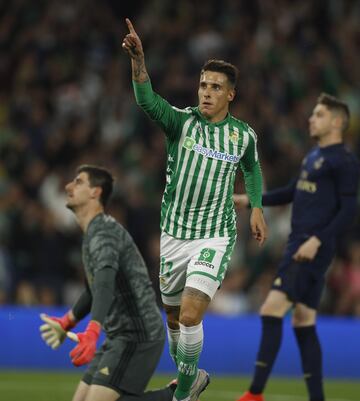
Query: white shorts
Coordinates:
[199,263]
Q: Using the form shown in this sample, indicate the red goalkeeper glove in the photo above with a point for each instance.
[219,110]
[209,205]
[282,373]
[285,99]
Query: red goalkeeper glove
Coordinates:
[53,331]
[84,352]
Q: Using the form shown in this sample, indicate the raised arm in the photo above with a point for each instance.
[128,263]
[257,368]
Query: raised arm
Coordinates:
[169,118]
[133,46]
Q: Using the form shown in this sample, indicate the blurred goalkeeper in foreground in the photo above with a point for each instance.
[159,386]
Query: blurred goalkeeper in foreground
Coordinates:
[120,298]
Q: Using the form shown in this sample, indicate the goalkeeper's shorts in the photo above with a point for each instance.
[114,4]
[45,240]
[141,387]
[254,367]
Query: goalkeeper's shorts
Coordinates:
[124,366]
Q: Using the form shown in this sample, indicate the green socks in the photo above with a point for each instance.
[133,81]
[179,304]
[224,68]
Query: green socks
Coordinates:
[188,353]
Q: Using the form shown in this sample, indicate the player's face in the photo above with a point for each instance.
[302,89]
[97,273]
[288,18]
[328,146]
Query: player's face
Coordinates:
[215,93]
[320,121]
[79,192]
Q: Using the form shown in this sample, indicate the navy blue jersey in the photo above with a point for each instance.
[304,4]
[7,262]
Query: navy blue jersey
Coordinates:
[323,195]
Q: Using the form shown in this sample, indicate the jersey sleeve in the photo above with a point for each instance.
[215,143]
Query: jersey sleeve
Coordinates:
[83,304]
[104,251]
[280,196]
[346,177]
[250,166]
[103,293]
[169,118]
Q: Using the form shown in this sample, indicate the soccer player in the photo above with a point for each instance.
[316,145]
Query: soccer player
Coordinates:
[206,145]
[120,299]
[324,201]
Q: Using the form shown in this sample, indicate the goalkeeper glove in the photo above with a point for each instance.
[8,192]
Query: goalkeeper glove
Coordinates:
[53,332]
[84,352]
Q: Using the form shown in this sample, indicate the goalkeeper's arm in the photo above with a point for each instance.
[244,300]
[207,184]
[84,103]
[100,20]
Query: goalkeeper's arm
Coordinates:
[54,329]
[103,297]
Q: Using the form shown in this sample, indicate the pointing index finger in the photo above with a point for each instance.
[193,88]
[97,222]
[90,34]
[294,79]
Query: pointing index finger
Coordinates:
[130,26]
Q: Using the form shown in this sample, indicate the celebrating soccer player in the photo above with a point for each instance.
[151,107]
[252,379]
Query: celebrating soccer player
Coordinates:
[206,145]
[324,201]
[120,298]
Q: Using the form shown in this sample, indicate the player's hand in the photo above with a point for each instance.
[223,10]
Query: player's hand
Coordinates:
[308,250]
[53,331]
[84,352]
[132,43]
[241,201]
[258,225]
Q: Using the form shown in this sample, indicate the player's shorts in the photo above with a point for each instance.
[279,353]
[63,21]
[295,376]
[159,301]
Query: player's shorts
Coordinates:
[199,263]
[303,282]
[124,366]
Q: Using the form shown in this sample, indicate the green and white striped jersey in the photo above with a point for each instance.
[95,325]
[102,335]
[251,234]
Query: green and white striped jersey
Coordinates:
[202,161]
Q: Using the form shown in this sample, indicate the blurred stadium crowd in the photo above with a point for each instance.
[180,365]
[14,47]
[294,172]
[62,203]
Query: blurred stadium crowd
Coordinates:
[66,99]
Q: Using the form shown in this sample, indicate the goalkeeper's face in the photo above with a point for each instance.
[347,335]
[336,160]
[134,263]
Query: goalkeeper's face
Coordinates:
[215,93]
[79,192]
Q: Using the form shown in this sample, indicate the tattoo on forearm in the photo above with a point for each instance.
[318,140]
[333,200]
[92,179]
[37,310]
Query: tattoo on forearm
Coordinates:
[139,71]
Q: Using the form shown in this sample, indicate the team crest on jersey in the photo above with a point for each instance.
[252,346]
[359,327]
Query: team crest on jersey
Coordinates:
[277,282]
[234,137]
[318,163]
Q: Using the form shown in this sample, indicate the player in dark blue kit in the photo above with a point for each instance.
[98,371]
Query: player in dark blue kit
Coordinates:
[324,202]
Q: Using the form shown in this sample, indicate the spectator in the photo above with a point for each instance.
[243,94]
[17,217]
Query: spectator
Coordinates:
[64,100]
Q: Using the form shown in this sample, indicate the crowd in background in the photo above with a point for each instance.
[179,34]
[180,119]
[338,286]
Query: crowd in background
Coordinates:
[66,99]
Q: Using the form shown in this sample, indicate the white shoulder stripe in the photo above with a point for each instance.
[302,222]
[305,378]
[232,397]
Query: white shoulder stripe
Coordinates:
[187,110]
[245,143]
[254,136]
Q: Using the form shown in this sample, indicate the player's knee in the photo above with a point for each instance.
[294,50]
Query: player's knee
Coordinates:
[172,316]
[271,309]
[302,319]
[190,318]
[276,304]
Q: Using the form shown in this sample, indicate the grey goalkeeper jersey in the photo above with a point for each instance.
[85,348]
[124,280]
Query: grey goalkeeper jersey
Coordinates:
[134,313]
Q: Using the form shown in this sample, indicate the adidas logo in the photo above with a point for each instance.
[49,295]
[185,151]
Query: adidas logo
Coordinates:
[105,371]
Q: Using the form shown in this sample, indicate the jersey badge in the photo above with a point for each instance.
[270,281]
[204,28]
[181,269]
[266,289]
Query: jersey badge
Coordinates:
[318,163]
[234,137]
[277,282]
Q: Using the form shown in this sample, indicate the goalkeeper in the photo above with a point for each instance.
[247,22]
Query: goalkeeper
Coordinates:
[120,299]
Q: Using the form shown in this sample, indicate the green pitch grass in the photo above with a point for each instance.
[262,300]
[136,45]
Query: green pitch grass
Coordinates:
[45,386]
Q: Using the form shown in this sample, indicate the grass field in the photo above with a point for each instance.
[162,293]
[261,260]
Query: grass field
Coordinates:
[45,386]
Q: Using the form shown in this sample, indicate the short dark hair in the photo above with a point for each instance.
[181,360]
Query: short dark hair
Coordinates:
[226,68]
[99,177]
[335,104]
